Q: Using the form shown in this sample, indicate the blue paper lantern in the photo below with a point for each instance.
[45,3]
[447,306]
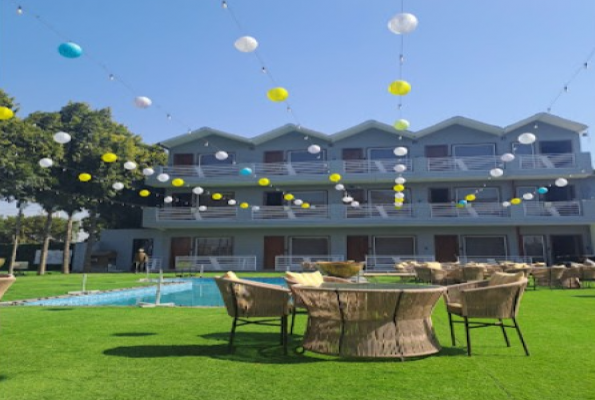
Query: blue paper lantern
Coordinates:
[70,50]
[542,190]
[463,202]
[246,171]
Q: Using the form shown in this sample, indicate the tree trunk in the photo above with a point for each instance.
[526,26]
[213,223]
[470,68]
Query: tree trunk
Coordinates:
[47,235]
[90,239]
[17,234]
[66,253]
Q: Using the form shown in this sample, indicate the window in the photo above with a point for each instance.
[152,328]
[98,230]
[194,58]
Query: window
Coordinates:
[209,159]
[314,198]
[304,156]
[304,246]
[213,246]
[382,154]
[474,157]
[485,195]
[555,147]
[523,149]
[394,245]
[473,150]
[207,200]
[386,196]
[302,162]
[492,246]
[439,195]
[521,190]
[183,159]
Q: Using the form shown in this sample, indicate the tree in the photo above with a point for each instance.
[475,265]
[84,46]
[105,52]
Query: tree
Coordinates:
[31,229]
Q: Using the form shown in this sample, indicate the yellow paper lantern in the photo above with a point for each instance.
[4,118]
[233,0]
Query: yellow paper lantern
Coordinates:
[398,188]
[470,197]
[217,196]
[144,193]
[178,182]
[6,113]
[264,182]
[398,207]
[399,88]
[401,125]
[289,197]
[515,201]
[399,200]
[278,94]
[334,178]
[109,157]
[305,205]
[244,205]
[84,177]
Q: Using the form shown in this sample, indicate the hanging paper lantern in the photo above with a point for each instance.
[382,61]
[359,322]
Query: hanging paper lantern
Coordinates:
[202,208]
[246,171]
[84,177]
[148,171]
[347,199]
[334,177]
[470,197]
[400,168]
[62,137]
[70,50]
[305,205]
[144,193]
[255,208]
[496,172]
[339,186]
[399,88]
[6,113]
[177,182]
[400,151]
[507,157]
[402,23]
[109,157]
[278,94]
[198,190]
[398,188]
[142,102]
[542,190]
[46,162]
[221,155]
[289,197]
[399,195]
[118,186]
[506,204]
[217,196]
[163,177]
[528,196]
[130,165]
[463,202]
[298,202]
[231,202]
[314,149]
[401,125]
[515,201]
[168,199]
[561,182]
[400,180]
[355,204]
[244,205]
[246,44]
[264,182]
[527,138]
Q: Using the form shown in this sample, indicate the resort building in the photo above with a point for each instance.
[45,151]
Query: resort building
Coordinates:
[459,201]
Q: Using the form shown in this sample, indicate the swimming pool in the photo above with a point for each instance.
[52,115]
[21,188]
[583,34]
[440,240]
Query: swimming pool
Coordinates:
[188,292]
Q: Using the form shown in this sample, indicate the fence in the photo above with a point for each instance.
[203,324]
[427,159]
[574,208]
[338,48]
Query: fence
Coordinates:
[387,262]
[494,259]
[294,263]
[216,263]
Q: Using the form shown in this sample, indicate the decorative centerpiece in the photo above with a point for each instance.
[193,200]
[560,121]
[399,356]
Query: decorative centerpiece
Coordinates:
[341,269]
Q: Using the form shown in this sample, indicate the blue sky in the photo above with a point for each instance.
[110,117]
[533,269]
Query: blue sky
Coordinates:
[498,61]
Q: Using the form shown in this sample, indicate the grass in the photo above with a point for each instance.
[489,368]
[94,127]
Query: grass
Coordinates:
[181,353]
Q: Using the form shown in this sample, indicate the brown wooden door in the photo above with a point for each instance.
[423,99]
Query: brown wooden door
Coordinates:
[357,248]
[446,248]
[184,159]
[273,156]
[440,150]
[273,246]
[180,246]
[353,154]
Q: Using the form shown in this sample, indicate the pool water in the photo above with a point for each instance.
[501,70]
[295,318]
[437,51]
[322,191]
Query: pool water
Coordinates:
[190,292]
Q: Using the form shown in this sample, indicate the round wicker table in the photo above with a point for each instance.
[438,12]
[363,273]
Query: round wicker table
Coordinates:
[370,320]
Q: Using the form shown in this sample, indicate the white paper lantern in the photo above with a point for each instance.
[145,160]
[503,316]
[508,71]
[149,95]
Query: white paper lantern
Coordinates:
[298,202]
[221,155]
[314,149]
[347,199]
[118,186]
[506,204]
[402,23]
[400,168]
[255,208]
[231,202]
[561,182]
[527,138]
[528,196]
[400,180]
[46,162]
[400,151]
[507,157]
[202,208]
[62,137]
[399,195]
[198,190]
[168,199]
[246,44]
[496,172]
[163,177]
[142,102]
[130,165]
[148,171]
[355,204]
[339,186]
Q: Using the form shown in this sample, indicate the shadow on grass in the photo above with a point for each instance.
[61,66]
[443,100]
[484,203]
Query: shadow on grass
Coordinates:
[58,309]
[586,296]
[3,378]
[133,334]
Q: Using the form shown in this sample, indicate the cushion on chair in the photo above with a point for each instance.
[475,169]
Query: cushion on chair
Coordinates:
[231,276]
[502,278]
[308,278]
[433,265]
[454,308]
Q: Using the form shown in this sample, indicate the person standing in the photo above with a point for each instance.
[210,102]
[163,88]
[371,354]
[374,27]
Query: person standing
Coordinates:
[140,260]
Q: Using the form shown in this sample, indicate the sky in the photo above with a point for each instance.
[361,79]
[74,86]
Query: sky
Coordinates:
[494,61]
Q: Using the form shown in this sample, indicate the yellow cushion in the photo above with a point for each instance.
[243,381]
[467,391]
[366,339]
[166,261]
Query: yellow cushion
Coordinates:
[502,278]
[308,278]
[231,276]
[434,265]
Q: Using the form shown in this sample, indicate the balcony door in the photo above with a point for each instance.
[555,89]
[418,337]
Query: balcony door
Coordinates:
[180,246]
[183,159]
[446,248]
[566,247]
[273,246]
[357,248]
[534,247]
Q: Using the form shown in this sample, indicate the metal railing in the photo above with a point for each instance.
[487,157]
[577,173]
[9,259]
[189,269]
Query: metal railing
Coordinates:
[494,259]
[470,210]
[154,264]
[294,263]
[387,262]
[292,168]
[192,213]
[203,171]
[375,166]
[379,211]
[449,164]
[290,212]
[215,263]
[548,161]
[552,208]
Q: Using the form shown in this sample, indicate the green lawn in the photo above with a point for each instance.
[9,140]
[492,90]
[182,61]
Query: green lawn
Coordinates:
[181,353]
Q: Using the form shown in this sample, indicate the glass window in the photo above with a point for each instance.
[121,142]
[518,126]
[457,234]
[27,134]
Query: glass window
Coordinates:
[494,246]
[473,150]
[315,198]
[394,245]
[304,156]
[523,149]
[213,246]
[207,200]
[210,159]
[485,195]
[386,196]
[555,147]
[382,154]
[304,246]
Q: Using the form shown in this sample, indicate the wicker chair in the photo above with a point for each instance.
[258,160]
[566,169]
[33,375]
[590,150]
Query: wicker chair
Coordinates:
[473,273]
[479,300]
[433,276]
[588,274]
[5,282]
[258,303]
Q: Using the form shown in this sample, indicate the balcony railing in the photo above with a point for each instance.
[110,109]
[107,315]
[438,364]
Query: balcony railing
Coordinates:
[192,213]
[470,210]
[290,212]
[294,263]
[376,166]
[552,209]
[479,163]
[379,211]
[387,262]
[292,168]
[216,263]
[549,161]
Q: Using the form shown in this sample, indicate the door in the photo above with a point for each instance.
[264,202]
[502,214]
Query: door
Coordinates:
[446,248]
[273,198]
[273,246]
[534,247]
[273,156]
[352,165]
[357,248]
[180,246]
[183,159]
[566,248]
[435,151]
[439,195]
